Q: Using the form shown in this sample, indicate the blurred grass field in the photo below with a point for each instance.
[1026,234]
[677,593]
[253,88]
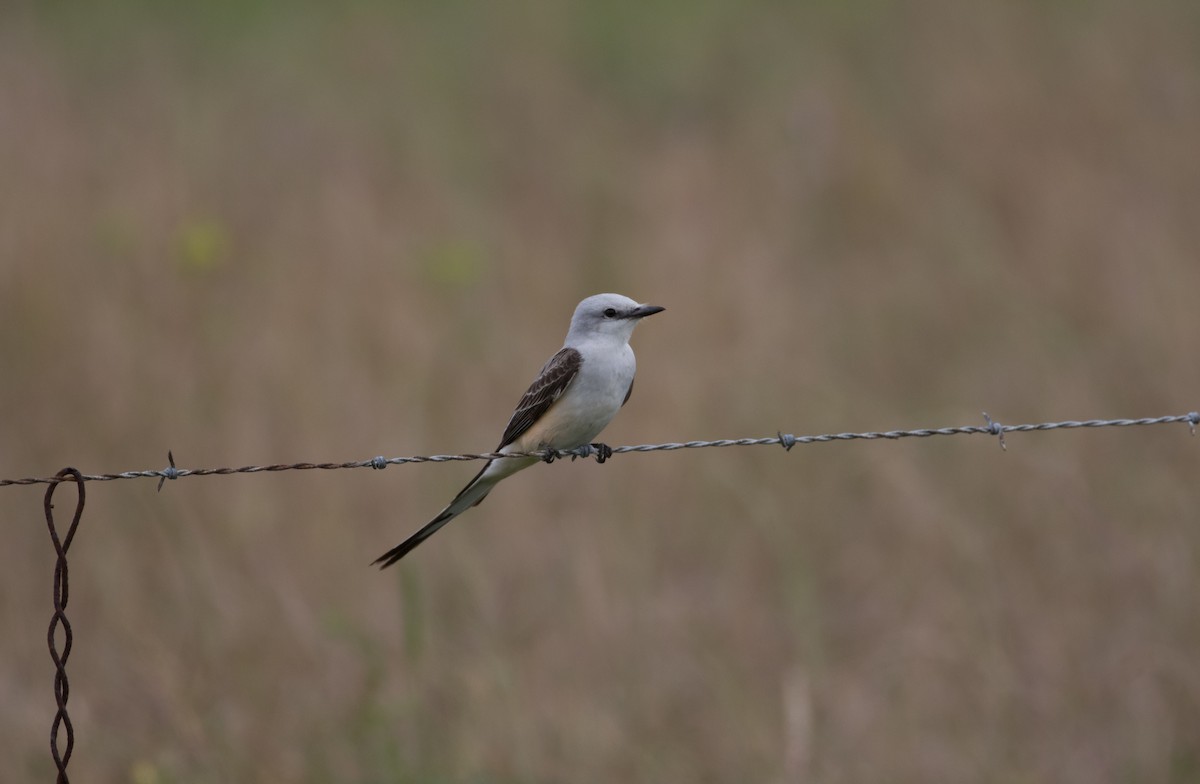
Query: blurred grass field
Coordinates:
[260,232]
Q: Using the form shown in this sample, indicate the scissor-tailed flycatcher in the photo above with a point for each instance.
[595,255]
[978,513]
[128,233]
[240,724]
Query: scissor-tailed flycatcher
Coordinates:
[575,396]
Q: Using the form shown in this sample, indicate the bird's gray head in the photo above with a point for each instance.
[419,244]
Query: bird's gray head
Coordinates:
[607,315]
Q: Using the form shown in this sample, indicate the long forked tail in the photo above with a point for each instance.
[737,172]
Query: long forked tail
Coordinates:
[475,491]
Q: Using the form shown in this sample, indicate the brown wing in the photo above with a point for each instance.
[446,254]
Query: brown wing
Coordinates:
[548,387]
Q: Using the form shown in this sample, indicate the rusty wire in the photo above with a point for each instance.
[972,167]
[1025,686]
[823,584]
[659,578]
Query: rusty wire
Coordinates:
[62,689]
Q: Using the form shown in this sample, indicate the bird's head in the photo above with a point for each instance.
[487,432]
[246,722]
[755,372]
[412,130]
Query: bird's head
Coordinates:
[608,315]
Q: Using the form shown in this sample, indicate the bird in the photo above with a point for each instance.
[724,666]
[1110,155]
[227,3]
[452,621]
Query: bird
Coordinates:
[574,397]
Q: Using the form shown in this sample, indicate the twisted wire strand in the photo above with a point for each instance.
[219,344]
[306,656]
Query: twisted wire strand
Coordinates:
[61,728]
[786,440]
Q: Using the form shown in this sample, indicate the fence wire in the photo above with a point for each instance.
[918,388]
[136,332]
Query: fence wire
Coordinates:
[786,440]
[61,726]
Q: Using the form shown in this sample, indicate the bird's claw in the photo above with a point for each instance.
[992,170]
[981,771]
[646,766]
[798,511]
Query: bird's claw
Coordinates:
[549,457]
[599,451]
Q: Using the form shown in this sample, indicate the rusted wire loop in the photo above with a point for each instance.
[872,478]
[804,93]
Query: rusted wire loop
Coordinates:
[62,689]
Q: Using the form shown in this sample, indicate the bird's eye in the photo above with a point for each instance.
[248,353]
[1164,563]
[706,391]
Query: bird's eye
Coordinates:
[610,312]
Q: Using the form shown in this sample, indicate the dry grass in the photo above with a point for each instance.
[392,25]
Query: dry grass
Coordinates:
[270,234]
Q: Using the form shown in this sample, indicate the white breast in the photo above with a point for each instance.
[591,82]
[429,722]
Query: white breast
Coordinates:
[590,403]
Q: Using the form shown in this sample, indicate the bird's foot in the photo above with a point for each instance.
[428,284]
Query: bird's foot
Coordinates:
[599,451]
[549,457]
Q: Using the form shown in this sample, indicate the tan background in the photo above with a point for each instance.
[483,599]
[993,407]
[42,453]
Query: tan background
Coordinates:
[273,232]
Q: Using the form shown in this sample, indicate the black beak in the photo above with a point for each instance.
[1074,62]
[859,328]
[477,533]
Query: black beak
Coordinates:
[641,311]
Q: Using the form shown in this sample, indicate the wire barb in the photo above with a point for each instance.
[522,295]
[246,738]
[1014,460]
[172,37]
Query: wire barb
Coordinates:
[996,429]
[170,472]
[786,440]
[62,689]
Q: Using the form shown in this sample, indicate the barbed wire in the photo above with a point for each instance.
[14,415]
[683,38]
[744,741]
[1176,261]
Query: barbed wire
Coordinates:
[786,440]
[61,725]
